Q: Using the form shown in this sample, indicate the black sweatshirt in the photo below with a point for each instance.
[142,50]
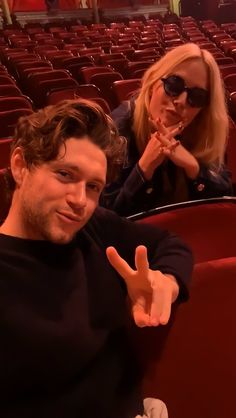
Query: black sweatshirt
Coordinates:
[64,352]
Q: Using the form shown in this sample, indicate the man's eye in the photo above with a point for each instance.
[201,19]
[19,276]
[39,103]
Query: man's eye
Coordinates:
[63,175]
[94,187]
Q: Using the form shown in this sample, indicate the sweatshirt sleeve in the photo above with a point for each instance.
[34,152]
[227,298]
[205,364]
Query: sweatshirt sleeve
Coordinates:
[166,251]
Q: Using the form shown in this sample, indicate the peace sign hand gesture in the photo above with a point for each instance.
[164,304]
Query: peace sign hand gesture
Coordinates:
[151,292]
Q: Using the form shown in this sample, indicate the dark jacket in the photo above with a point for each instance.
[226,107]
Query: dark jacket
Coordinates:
[132,193]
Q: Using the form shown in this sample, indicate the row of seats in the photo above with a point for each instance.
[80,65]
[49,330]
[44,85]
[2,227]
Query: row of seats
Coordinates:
[35,79]
[121,63]
[190,363]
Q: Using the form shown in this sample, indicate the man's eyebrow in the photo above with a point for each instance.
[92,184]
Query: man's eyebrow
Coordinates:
[76,169]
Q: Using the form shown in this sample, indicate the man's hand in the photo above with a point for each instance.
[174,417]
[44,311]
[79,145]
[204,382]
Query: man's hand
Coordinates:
[151,292]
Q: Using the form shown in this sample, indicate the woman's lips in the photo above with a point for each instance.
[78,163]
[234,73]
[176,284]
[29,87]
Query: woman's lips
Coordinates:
[173,116]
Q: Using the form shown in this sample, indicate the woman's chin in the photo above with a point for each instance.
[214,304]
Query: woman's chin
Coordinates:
[171,123]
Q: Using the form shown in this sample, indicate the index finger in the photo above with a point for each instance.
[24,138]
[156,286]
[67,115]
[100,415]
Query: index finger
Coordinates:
[119,264]
[160,126]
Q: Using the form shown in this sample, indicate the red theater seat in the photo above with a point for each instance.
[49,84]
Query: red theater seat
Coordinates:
[87,73]
[4,202]
[207,226]
[8,121]
[5,148]
[13,103]
[10,90]
[104,82]
[87,91]
[124,89]
[190,363]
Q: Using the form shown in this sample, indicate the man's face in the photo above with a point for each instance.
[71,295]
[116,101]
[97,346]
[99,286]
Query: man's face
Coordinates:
[57,198]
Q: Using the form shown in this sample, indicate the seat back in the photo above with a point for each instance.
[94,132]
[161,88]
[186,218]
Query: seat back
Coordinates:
[87,73]
[104,82]
[5,149]
[102,103]
[87,91]
[231,150]
[12,103]
[5,79]
[48,75]
[207,226]
[227,69]
[224,60]
[8,121]
[10,90]
[230,82]
[232,112]
[4,198]
[124,89]
[190,363]
[44,87]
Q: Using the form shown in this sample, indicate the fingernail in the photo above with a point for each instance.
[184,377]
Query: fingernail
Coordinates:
[181,126]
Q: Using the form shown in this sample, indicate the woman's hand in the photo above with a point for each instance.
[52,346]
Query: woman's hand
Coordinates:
[178,154]
[151,292]
[153,155]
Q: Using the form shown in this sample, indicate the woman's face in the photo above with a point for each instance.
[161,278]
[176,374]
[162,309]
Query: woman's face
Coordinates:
[174,110]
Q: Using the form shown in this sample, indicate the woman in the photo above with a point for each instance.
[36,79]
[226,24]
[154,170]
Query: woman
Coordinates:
[176,130]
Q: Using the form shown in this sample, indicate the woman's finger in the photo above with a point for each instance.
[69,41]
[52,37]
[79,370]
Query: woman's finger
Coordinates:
[164,140]
[160,126]
[173,133]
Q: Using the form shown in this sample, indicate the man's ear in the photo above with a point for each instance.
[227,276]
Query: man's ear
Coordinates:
[18,165]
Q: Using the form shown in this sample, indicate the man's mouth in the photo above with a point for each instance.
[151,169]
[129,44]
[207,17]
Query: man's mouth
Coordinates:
[70,217]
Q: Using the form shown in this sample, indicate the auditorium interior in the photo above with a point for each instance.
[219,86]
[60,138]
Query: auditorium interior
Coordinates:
[99,50]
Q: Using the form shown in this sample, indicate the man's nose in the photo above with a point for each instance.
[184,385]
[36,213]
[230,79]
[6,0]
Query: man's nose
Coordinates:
[77,197]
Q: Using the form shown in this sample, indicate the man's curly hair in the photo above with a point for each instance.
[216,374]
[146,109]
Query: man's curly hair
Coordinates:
[41,134]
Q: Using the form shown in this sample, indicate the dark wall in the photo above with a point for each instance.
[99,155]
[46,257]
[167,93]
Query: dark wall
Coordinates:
[199,9]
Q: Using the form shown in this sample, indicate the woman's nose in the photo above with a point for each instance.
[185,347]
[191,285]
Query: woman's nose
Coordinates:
[181,100]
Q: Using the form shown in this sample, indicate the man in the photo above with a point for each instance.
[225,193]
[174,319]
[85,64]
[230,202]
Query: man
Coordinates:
[64,346]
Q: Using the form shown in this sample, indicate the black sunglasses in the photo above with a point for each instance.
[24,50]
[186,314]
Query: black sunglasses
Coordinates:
[174,85]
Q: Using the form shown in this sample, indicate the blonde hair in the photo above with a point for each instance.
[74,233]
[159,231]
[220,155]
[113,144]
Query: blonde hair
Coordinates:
[209,129]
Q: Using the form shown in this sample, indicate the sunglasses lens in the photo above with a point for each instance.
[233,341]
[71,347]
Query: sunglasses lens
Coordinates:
[198,97]
[173,85]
